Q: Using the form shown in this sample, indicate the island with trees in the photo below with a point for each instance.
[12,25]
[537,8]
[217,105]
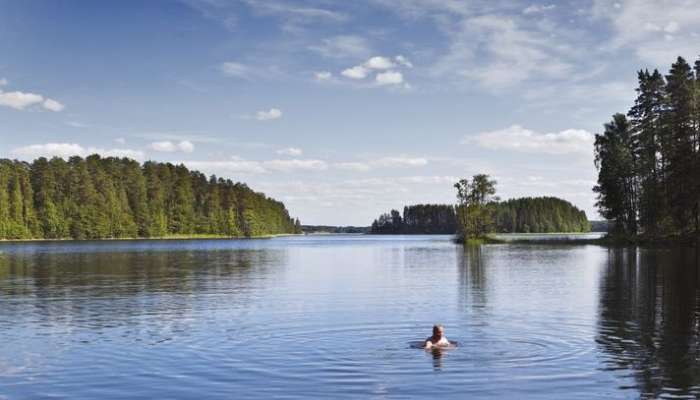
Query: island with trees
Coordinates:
[97,198]
[522,215]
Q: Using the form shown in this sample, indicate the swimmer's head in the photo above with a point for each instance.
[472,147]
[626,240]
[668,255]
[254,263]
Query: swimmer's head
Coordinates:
[438,331]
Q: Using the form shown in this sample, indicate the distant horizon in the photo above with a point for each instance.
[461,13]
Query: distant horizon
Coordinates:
[340,110]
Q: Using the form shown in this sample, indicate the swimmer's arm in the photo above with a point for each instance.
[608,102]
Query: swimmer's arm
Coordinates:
[428,344]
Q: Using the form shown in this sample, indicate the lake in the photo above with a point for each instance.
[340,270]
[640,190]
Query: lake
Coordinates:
[336,317]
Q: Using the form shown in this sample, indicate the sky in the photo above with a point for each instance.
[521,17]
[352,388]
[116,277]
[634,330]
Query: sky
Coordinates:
[342,110]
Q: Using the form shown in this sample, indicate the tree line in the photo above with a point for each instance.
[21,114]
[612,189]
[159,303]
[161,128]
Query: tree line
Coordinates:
[522,215]
[648,160]
[95,197]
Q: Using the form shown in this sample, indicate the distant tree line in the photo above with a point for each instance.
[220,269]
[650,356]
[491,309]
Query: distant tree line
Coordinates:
[334,229]
[649,160]
[94,197]
[523,215]
[417,219]
[539,215]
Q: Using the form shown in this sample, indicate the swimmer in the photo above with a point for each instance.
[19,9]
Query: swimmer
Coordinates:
[438,339]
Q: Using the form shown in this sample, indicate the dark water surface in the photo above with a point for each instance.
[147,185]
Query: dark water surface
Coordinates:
[336,317]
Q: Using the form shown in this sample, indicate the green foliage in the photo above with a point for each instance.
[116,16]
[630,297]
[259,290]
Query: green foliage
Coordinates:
[118,198]
[539,215]
[475,215]
[522,215]
[648,167]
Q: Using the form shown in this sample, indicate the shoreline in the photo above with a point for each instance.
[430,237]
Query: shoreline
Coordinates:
[172,237]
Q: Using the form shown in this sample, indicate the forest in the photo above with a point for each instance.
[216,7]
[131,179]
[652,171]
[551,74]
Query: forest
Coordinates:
[94,198]
[522,215]
[648,160]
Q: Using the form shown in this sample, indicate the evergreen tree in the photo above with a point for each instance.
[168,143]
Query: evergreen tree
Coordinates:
[616,186]
[112,197]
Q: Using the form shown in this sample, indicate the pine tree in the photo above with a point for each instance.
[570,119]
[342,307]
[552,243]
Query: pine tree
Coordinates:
[678,123]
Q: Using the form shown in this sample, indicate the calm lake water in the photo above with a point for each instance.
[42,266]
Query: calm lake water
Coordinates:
[335,317]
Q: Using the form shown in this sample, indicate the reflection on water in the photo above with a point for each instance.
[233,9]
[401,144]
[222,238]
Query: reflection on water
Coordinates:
[345,317]
[63,286]
[472,276]
[648,325]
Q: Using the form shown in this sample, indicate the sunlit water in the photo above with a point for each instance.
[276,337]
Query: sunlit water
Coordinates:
[336,317]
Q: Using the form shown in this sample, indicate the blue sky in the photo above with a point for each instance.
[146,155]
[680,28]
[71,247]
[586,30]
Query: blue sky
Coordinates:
[340,109]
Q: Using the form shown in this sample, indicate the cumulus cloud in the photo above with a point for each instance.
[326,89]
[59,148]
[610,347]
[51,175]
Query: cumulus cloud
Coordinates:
[270,114]
[517,138]
[389,78]
[168,146]
[290,151]
[53,105]
[21,100]
[356,72]
[379,62]
[384,67]
[66,150]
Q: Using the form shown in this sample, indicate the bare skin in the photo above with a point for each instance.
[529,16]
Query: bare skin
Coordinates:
[438,339]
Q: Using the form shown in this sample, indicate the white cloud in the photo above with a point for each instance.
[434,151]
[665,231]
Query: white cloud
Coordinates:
[66,150]
[270,114]
[299,14]
[53,105]
[356,72]
[389,78]
[19,100]
[168,146]
[517,138]
[290,151]
[120,140]
[345,46]
[657,31]
[500,50]
[539,8]
[379,62]
[323,76]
